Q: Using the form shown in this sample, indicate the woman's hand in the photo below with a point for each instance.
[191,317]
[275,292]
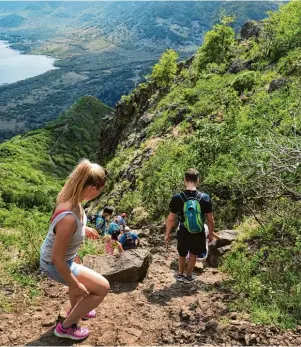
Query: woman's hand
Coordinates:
[79,290]
[91,233]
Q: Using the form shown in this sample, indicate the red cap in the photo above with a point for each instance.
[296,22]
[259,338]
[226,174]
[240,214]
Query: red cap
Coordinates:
[123,214]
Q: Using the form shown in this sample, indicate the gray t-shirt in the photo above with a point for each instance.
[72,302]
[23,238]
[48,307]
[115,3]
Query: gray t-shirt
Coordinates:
[76,241]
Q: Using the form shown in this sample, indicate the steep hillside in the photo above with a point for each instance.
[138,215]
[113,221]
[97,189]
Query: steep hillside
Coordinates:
[33,168]
[43,157]
[233,112]
[104,49]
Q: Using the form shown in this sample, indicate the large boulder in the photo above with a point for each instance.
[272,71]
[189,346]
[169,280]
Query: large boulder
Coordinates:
[130,266]
[226,237]
[219,247]
[250,29]
[239,65]
[145,120]
[185,64]
[277,84]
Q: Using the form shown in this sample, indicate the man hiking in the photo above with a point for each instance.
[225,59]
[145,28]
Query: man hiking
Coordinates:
[192,208]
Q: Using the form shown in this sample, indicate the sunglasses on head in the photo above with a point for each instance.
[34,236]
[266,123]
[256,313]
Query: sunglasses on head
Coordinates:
[106,172]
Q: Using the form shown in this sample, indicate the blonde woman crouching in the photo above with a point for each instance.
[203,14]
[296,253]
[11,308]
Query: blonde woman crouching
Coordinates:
[67,230]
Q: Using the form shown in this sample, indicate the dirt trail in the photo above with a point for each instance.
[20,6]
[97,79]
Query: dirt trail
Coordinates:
[159,311]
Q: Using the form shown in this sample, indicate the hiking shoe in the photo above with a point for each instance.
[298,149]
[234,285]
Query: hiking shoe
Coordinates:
[189,279]
[89,315]
[74,332]
[179,277]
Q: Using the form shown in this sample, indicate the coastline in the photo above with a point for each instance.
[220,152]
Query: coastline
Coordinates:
[37,64]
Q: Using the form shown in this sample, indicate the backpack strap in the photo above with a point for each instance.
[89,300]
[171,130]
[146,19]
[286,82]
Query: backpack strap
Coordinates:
[183,197]
[199,196]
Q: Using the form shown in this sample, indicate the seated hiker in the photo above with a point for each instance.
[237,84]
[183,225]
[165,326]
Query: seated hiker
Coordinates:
[112,243]
[129,239]
[102,219]
[113,227]
[121,221]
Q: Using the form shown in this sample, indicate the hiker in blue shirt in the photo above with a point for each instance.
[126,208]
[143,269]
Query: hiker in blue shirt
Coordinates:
[113,227]
[120,220]
[102,220]
[129,239]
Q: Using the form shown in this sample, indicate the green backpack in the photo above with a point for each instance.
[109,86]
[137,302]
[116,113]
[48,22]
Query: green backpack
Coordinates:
[193,220]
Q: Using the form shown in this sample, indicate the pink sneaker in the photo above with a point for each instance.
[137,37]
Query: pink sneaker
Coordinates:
[89,315]
[74,333]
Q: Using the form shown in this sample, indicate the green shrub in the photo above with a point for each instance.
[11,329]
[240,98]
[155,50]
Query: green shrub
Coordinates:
[164,72]
[162,175]
[291,64]
[265,266]
[217,44]
[244,81]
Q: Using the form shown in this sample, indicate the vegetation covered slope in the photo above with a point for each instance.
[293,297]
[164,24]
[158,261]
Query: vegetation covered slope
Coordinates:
[33,168]
[233,112]
[104,49]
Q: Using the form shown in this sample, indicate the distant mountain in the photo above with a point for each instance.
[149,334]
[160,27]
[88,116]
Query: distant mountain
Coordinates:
[104,49]
[153,24]
[11,21]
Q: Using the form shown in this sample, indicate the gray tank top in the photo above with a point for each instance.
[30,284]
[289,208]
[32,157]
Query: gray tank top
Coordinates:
[76,241]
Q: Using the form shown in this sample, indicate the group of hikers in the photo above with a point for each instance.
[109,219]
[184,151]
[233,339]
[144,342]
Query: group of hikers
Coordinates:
[87,288]
[115,234]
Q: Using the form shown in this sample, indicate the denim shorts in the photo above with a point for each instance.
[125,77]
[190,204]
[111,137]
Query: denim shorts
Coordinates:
[50,270]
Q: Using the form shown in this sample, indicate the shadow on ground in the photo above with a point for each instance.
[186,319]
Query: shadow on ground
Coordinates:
[164,295]
[118,288]
[49,339]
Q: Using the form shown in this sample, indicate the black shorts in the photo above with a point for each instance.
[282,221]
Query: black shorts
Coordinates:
[193,243]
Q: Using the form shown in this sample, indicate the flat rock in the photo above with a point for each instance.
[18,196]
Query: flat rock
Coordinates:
[226,238]
[130,266]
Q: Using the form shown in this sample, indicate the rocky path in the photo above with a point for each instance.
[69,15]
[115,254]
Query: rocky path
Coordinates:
[158,311]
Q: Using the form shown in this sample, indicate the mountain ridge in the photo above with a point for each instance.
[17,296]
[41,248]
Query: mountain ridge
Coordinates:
[108,51]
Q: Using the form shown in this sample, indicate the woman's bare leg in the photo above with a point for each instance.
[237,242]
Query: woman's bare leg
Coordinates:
[97,286]
[74,299]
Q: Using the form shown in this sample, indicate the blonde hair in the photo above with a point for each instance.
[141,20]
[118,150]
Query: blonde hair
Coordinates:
[85,174]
